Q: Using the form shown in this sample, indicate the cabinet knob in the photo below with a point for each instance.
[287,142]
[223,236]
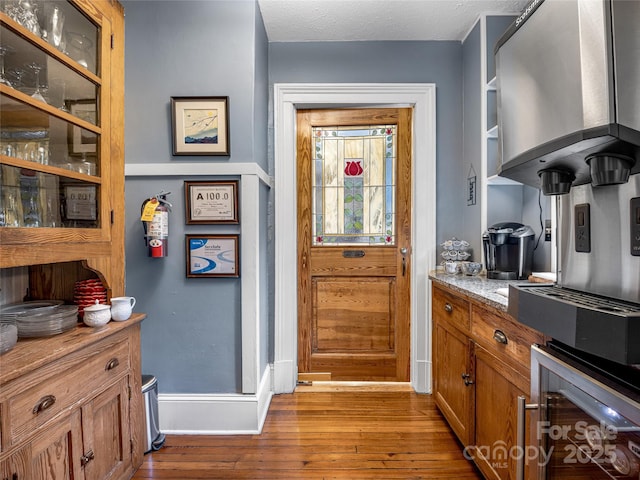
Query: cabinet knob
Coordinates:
[448,308]
[86,458]
[467,379]
[44,403]
[500,337]
[111,364]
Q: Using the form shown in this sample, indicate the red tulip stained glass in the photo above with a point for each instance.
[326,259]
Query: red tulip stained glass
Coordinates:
[354,185]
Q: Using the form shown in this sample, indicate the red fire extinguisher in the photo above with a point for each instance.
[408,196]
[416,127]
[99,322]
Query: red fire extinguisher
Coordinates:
[155,220]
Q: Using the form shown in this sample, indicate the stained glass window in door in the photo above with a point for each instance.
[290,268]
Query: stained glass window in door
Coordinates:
[353,183]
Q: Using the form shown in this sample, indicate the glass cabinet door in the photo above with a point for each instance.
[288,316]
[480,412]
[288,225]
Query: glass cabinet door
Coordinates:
[54,105]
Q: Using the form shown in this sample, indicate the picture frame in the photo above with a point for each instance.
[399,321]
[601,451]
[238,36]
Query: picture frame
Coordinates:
[211,202]
[80,140]
[200,125]
[212,256]
[81,202]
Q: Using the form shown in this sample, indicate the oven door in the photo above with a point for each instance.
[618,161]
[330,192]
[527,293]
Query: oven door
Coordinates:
[585,429]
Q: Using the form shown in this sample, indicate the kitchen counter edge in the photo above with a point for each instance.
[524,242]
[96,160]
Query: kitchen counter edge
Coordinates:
[478,288]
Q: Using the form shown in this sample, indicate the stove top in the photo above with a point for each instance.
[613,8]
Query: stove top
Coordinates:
[601,326]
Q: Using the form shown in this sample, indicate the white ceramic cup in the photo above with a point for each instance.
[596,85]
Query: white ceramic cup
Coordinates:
[121,308]
[451,267]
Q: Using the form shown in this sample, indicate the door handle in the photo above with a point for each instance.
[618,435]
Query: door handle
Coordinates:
[523,406]
[403,252]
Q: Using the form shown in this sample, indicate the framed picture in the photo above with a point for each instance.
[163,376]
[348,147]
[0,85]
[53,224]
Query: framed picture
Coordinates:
[80,202]
[200,125]
[211,202]
[212,256]
[82,141]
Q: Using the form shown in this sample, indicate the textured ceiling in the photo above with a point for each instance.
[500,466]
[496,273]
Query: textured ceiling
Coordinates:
[362,20]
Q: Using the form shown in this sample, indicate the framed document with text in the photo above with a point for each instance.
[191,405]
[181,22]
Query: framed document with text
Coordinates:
[212,256]
[210,202]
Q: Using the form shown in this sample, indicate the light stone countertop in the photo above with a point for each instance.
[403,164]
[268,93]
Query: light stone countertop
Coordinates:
[477,287]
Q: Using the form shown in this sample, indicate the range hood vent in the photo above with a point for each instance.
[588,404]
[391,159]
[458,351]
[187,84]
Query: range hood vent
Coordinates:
[567,80]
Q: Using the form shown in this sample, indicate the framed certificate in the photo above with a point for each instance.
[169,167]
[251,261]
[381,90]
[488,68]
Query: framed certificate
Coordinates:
[212,256]
[209,202]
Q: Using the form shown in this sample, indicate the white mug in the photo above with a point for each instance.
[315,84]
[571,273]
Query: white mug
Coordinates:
[121,308]
[451,267]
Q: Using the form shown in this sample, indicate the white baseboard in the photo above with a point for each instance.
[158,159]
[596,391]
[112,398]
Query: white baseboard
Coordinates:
[215,414]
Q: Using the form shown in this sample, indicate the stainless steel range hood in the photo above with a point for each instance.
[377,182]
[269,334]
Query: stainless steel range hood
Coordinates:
[568,76]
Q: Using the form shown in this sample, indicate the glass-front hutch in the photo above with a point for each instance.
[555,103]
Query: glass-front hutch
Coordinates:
[61,140]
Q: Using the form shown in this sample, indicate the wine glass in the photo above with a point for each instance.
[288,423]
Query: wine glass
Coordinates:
[17,74]
[36,67]
[63,104]
[4,50]
[56,28]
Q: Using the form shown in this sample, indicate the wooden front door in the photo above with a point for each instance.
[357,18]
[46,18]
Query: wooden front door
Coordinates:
[354,243]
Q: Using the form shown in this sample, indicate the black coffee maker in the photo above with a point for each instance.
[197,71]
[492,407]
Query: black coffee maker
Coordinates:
[508,251]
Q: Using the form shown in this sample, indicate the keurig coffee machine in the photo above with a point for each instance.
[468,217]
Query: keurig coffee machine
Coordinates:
[508,251]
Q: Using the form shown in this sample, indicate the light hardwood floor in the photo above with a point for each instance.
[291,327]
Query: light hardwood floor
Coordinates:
[325,431]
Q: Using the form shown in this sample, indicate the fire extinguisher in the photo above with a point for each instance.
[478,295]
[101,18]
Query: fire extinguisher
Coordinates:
[155,220]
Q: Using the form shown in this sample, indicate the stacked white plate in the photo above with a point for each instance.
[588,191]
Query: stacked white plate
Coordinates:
[40,318]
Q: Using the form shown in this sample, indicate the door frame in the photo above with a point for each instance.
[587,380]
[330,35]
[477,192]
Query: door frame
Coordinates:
[287,98]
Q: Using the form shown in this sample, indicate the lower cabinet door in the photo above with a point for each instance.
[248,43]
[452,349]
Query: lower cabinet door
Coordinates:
[105,428]
[17,466]
[453,377]
[55,453]
[497,389]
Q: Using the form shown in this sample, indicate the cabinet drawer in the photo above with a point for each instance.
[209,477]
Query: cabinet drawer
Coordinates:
[451,308]
[504,337]
[63,384]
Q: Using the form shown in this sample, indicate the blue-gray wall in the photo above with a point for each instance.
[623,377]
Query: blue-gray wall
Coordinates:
[513,203]
[191,339]
[391,62]
[472,141]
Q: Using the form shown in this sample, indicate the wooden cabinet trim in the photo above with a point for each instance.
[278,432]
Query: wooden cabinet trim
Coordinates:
[31,354]
[451,308]
[486,329]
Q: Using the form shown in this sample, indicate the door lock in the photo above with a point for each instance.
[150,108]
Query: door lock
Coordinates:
[403,252]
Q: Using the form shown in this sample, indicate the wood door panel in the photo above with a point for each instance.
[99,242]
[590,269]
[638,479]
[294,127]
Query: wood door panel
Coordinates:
[331,261]
[353,315]
[497,389]
[354,298]
[452,359]
[56,454]
[364,367]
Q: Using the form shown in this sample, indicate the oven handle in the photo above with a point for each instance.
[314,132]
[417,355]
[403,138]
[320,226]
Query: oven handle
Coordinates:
[523,406]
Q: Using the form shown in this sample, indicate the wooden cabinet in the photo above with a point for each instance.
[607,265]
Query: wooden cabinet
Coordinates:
[61,148]
[453,354]
[71,404]
[497,387]
[481,366]
[73,411]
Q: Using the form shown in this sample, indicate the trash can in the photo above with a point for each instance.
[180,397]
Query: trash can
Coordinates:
[155,439]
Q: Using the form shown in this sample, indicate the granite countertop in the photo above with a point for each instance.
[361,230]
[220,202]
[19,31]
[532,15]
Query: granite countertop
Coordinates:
[478,287]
